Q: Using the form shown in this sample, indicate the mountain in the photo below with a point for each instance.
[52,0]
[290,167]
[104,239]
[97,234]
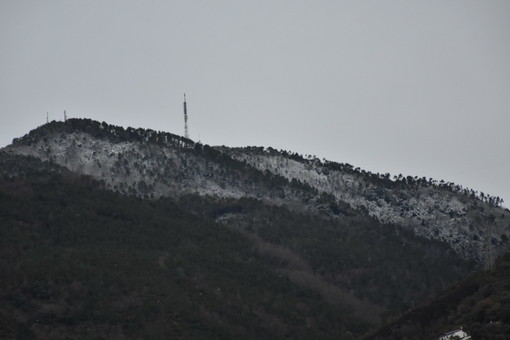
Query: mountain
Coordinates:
[430,208]
[131,233]
[480,304]
[155,164]
[81,262]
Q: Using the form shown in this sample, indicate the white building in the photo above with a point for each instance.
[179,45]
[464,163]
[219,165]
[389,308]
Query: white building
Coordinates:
[458,334]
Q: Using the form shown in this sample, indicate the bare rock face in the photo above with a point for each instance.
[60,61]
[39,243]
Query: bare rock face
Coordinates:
[155,164]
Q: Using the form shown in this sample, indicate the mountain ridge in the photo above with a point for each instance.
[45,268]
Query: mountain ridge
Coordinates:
[253,240]
[155,164]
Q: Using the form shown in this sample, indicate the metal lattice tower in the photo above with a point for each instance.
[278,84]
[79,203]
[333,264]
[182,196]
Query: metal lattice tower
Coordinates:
[186,134]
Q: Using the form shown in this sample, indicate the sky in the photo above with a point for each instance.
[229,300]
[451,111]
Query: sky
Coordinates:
[420,88]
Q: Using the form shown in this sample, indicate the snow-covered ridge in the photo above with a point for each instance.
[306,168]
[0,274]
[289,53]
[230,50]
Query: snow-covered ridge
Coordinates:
[151,164]
[154,164]
[429,210]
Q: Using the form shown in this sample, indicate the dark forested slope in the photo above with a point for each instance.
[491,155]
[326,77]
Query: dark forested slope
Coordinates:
[480,304]
[80,261]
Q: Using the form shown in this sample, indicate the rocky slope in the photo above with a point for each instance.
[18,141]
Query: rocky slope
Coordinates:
[154,164]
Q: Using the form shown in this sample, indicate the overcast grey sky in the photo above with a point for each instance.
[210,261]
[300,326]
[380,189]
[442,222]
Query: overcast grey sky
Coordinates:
[412,87]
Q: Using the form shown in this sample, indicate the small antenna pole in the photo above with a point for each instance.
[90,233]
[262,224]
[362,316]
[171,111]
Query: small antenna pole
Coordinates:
[186,134]
[47,119]
[65,116]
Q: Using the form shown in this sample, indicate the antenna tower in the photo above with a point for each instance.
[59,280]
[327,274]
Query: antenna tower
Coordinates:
[186,134]
[47,118]
[65,116]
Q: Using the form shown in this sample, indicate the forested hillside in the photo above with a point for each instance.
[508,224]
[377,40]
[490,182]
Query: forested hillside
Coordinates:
[480,304]
[81,261]
[108,232]
[435,209]
[148,163]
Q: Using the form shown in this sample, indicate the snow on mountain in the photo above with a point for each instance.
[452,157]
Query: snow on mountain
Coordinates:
[151,164]
[154,164]
[430,210]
